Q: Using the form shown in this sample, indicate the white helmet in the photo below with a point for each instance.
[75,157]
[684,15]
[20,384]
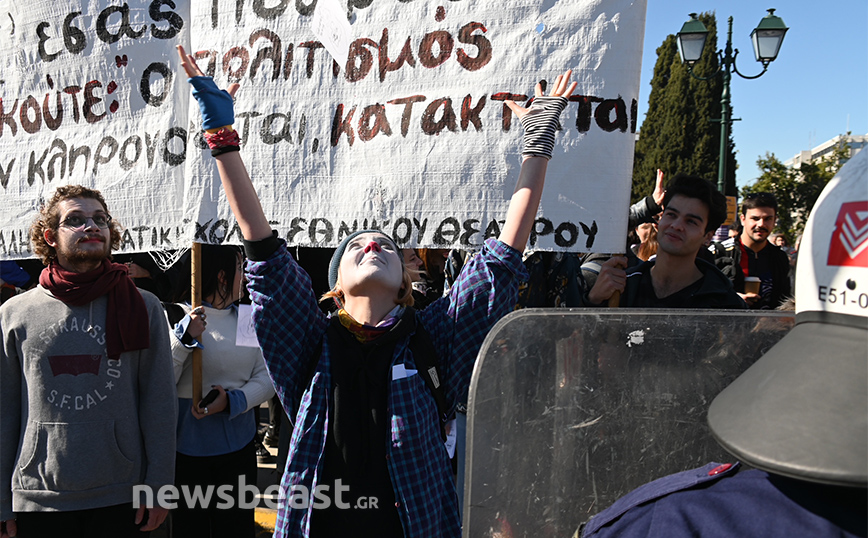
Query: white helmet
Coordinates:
[802,409]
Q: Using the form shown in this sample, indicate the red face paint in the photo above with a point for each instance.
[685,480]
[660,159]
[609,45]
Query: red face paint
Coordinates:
[373,245]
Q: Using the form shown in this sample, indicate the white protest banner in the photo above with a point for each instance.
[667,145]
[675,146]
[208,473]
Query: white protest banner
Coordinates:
[89,96]
[411,135]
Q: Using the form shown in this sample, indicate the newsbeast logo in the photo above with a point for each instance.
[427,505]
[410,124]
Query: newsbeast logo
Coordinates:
[849,245]
[247,496]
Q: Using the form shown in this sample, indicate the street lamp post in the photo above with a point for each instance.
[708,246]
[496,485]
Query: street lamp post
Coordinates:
[766,37]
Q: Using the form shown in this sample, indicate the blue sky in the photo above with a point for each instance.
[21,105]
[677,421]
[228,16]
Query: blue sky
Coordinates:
[819,80]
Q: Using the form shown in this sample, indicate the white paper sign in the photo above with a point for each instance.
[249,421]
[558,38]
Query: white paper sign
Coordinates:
[409,135]
[399,371]
[244,333]
[451,437]
[331,27]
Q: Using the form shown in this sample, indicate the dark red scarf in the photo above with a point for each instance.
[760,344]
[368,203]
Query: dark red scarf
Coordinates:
[127,323]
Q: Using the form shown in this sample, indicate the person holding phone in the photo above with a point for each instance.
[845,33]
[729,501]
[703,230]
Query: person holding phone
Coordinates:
[216,435]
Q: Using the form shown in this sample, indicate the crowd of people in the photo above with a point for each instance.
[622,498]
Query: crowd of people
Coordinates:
[370,368]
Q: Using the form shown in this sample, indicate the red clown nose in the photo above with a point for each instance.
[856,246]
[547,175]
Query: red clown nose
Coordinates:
[373,245]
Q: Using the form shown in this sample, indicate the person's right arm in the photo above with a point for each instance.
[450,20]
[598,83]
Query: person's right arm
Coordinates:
[242,197]
[157,403]
[644,210]
[239,189]
[288,323]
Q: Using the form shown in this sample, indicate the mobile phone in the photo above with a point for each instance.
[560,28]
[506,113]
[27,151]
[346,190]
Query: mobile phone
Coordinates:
[209,398]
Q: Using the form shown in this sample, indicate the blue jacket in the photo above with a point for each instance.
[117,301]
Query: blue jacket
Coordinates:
[717,501]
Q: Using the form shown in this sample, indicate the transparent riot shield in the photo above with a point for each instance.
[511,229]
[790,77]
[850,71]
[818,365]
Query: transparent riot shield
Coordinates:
[571,409]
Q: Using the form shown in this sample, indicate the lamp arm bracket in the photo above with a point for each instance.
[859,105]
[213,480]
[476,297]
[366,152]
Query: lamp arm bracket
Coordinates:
[737,72]
[711,76]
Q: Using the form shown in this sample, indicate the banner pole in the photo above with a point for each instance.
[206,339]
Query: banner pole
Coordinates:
[196,301]
[615,299]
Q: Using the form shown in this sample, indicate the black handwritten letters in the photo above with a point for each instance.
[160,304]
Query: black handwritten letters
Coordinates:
[318,231]
[470,49]
[126,115]
[112,24]
[14,243]
[276,8]
[61,158]
[72,104]
[446,232]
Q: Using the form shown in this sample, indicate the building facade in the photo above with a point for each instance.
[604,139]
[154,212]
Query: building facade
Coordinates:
[856,143]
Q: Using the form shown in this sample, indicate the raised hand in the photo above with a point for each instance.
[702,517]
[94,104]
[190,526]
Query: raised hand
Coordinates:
[216,105]
[561,88]
[540,123]
[541,120]
[239,189]
[659,192]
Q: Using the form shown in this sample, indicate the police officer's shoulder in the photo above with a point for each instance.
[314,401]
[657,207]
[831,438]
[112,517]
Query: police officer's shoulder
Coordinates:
[661,487]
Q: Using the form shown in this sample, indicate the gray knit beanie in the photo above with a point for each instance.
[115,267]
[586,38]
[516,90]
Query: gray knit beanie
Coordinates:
[335,262]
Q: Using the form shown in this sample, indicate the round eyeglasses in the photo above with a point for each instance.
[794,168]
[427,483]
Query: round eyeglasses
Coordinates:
[77,222]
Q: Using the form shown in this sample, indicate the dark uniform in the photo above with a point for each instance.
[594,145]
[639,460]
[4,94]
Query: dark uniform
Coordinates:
[727,501]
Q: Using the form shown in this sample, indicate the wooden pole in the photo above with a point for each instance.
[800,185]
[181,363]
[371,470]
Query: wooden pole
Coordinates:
[196,301]
[615,299]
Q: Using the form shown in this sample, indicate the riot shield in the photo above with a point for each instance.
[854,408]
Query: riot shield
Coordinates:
[571,409]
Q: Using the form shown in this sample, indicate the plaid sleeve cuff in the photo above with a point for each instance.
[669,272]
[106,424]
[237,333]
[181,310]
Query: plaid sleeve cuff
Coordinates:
[259,251]
[510,257]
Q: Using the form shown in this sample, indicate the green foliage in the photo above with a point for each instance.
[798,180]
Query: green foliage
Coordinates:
[796,190]
[678,134]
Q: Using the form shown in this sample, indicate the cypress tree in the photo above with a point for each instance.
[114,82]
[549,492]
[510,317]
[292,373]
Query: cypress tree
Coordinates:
[678,133]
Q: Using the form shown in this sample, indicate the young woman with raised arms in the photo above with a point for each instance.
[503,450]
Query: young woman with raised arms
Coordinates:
[365,422]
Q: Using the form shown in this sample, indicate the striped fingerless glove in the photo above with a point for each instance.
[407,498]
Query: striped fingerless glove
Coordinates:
[540,124]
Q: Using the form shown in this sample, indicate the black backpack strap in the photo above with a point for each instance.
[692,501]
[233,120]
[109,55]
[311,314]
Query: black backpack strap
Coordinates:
[308,377]
[174,312]
[311,369]
[428,366]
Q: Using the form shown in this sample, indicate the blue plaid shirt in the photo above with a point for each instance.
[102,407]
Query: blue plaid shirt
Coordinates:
[291,327]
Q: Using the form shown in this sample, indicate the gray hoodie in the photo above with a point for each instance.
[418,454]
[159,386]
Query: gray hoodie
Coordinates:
[77,430]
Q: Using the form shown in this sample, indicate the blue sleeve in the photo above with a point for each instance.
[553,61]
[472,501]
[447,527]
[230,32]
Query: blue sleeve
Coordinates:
[12,273]
[237,403]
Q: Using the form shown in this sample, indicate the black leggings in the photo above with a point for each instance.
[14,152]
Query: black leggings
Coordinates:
[108,522]
[215,520]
